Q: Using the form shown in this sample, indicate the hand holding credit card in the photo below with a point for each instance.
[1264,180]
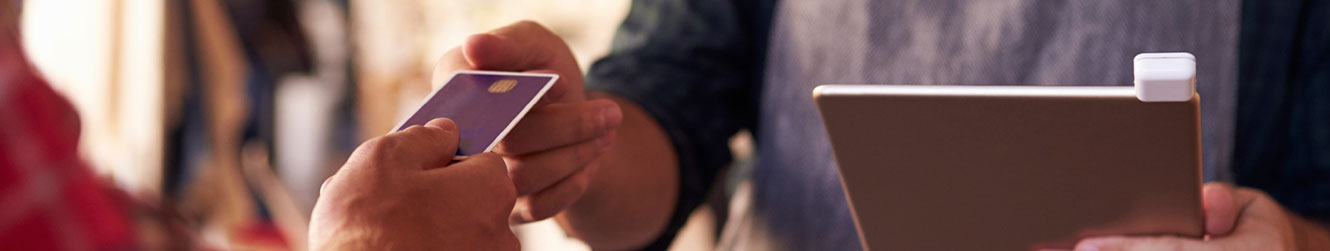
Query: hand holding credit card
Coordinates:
[554,151]
[484,104]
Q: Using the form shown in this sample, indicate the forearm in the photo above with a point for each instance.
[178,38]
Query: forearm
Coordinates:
[632,194]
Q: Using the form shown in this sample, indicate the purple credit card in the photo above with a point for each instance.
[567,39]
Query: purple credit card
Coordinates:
[485,105]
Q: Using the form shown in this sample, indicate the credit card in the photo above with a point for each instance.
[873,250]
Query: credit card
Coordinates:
[485,105]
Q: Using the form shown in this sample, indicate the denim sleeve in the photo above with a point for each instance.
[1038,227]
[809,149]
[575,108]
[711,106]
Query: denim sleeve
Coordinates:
[1282,144]
[695,67]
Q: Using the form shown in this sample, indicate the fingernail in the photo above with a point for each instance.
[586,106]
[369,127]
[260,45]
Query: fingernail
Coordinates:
[324,186]
[1086,246]
[446,124]
[611,116]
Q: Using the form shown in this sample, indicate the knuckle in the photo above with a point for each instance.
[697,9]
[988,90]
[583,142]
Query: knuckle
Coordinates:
[372,143]
[434,133]
[378,146]
[386,144]
[415,129]
[385,149]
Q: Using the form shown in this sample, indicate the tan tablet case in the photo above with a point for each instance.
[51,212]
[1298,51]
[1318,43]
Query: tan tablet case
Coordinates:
[1012,168]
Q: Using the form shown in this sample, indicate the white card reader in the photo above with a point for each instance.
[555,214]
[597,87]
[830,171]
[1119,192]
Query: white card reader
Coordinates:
[1165,77]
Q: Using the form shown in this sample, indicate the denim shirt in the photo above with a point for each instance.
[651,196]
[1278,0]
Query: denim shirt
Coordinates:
[706,69]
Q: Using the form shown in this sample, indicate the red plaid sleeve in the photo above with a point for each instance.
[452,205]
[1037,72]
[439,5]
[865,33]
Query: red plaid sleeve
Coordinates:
[49,200]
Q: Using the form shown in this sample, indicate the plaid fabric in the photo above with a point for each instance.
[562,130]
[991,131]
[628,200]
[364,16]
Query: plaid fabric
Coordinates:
[49,200]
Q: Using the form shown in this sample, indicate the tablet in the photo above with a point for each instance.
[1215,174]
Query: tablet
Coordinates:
[1014,167]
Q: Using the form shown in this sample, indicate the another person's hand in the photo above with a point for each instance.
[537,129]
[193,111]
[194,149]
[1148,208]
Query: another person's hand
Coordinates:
[395,193]
[1236,218]
[552,153]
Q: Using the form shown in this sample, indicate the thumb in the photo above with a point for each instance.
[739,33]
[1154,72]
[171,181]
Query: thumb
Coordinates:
[1221,211]
[483,174]
[423,147]
[1121,243]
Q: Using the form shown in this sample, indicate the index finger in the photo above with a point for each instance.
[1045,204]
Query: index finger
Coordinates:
[525,46]
[561,124]
[521,46]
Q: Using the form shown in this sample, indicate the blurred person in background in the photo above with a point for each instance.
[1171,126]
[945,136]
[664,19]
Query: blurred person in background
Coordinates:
[393,193]
[686,75]
[48,199]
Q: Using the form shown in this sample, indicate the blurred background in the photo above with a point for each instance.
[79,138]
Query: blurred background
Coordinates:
[233,112]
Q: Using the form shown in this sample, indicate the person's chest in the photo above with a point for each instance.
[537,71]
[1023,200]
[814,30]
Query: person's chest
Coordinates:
[960,43]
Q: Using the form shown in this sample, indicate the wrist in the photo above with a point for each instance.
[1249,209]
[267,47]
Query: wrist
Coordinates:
[340,230]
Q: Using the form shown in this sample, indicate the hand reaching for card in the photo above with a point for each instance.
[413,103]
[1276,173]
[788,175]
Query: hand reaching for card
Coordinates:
[553,152]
